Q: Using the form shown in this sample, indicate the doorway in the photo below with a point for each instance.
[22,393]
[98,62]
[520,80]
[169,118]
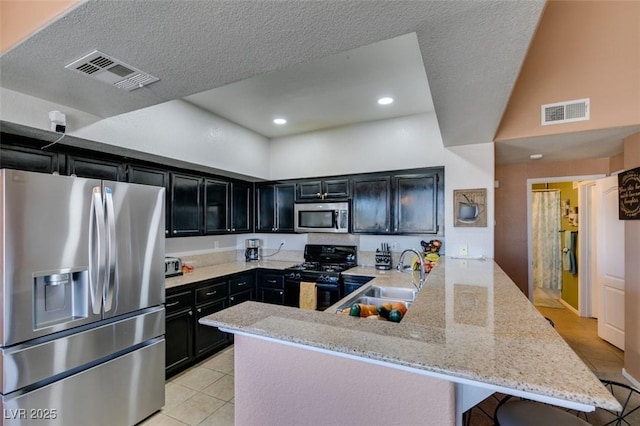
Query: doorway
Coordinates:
[577,294]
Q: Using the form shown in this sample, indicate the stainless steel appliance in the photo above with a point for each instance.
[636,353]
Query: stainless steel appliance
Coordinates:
[81,300]
[323,264]
[321,217]
[252,250]
[172,267]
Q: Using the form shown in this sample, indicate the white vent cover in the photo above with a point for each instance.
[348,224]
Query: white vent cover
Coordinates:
[111,71]
[565,112]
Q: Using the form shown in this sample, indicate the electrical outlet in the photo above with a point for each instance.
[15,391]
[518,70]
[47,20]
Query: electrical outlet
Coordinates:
[463,250]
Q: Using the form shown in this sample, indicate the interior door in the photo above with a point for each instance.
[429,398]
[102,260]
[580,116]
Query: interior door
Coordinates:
[610,262]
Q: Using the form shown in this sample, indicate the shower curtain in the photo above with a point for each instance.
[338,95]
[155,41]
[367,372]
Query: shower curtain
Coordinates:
[547,249]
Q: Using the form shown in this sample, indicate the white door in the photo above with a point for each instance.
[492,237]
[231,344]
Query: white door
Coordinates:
[610,261]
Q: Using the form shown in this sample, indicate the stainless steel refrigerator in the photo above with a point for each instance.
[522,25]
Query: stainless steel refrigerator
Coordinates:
[82,315]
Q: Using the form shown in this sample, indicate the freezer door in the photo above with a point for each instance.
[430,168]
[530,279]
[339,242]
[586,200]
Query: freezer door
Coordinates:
[135,257]
[47,223]
[122,391]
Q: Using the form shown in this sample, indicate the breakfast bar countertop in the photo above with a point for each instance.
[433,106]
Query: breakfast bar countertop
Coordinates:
[469,324]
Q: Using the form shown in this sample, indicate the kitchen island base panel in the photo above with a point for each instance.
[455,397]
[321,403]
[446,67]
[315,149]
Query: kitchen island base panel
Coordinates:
[279,384]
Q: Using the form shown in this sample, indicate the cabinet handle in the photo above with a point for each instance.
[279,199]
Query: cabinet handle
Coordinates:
[232,298]
[271,281]
[175,232]
[199,310]
[281,293]
[242,283]
[190,312]
[172,304]
[211,293]
[233,229]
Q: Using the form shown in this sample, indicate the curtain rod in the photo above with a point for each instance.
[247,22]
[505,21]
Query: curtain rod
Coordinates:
[566,230]
[545,190]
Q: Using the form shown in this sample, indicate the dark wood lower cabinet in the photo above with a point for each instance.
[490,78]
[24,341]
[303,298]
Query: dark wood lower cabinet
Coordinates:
[209,338]
[178,332]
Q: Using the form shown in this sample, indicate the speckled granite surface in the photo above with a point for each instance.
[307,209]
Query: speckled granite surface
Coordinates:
[215,271]
[469,322]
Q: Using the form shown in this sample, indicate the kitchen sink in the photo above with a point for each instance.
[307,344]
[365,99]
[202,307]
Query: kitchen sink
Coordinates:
[397,293]
[377,295]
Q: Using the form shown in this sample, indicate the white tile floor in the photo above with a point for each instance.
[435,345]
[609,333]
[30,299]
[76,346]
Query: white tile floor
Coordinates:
[201,395]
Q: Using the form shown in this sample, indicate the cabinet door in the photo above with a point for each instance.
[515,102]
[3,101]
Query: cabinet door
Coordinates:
[311,190]
[30,160]
[272,295]
[336,188]
[153,177]
[241,211]
[179,340]
[237,298]
[94,169]
[216,202]
[415,204]
[208,338]
[186,205]
[265,206]
[285,198]
[371,205]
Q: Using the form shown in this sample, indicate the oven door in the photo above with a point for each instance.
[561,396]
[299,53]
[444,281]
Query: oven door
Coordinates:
[328,217]
[327,295]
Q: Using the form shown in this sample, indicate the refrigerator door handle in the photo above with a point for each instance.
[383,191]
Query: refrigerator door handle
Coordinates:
[96,250]
[110,279]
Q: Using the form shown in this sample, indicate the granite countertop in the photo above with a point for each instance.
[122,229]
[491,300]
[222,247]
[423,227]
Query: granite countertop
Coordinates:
[216,271]
[469,323]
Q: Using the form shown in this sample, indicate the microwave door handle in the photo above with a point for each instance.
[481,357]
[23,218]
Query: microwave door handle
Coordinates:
[110,279]
[336,218]
[96,250]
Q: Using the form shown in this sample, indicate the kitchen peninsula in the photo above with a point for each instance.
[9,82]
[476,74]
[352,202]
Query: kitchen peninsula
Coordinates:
[470,332]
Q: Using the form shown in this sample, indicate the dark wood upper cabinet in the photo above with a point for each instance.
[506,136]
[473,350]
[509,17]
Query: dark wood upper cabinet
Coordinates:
[216,205]
[370,213]
[186,205]
[274,205]
[416,203]
[241,207]
[32,160]
[95,168]
[323,189]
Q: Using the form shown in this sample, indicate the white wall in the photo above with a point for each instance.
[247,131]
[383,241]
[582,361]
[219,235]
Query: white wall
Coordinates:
[393,144]
[182,131]
[26,110]
[163,130]
[469,167]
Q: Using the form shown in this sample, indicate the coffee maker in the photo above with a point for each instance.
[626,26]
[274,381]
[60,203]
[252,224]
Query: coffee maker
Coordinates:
[252,251]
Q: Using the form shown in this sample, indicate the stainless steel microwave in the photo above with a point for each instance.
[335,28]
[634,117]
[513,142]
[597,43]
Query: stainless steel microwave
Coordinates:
[322,217]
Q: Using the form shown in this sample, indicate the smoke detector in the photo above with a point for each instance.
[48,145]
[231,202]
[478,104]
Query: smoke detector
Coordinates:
[565,112]
[112,71]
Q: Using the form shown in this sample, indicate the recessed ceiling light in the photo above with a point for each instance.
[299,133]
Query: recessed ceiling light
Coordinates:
[385,101]
[535,156]
[279,121]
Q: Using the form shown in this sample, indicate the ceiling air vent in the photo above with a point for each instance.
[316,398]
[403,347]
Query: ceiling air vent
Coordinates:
[565,112]
[111,71]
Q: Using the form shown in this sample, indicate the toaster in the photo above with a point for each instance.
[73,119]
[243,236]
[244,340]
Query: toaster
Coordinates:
[172,266]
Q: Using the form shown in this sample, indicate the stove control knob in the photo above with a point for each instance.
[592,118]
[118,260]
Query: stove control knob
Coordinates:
[322,278]
[297,276]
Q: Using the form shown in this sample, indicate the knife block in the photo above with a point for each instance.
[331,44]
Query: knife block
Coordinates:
[383,260]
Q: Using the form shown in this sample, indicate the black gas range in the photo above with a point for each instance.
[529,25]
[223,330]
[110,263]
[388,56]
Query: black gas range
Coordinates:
[323,265]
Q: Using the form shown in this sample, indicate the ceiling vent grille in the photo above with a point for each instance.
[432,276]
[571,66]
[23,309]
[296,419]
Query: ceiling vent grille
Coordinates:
[565,112]
[111,71]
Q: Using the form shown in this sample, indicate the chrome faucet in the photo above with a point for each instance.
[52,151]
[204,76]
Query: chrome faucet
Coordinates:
[421,259]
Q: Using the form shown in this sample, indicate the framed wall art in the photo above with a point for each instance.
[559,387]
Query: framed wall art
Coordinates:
[470,207]
[629,193]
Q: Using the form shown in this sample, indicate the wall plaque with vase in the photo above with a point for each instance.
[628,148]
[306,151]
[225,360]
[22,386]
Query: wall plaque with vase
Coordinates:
[470,207]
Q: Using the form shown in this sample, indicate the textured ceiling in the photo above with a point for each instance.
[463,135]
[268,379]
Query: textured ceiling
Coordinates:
[471,50]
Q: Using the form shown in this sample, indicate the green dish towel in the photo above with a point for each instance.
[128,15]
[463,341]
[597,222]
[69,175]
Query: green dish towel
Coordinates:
[569,263]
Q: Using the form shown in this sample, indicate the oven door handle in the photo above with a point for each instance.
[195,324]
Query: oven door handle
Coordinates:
[327,287]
